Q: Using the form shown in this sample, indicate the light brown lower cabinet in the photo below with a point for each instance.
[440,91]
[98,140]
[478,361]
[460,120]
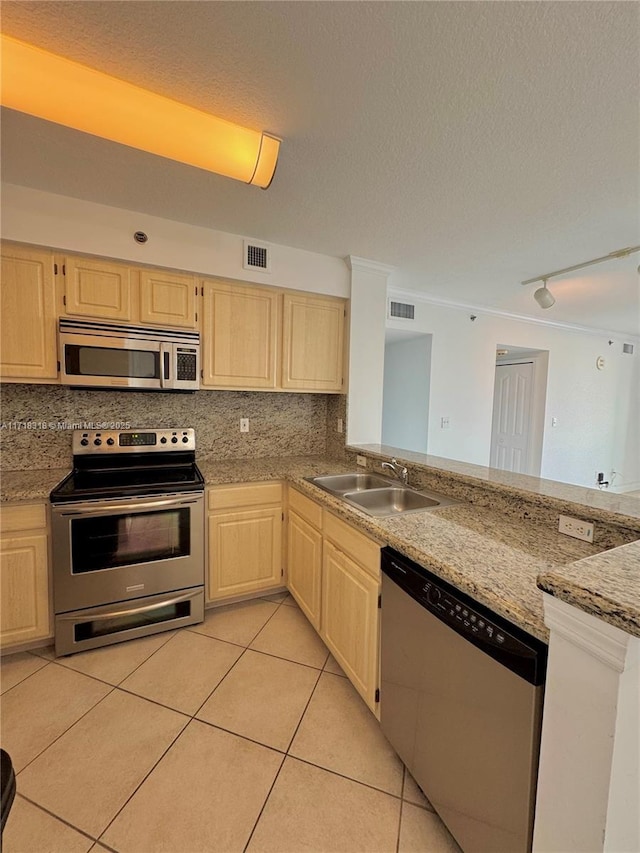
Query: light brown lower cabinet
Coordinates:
[333,572]
[245,539]
[350,620]
[24,574]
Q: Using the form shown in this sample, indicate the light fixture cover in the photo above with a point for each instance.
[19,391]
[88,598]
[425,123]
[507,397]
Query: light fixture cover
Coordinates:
[93,102]
[544,297]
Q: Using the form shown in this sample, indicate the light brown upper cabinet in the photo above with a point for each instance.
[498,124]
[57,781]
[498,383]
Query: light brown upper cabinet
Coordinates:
[265,338]
[28,314]
[98,289]
[240,335]
[105,290]
[167,299]
[313,343]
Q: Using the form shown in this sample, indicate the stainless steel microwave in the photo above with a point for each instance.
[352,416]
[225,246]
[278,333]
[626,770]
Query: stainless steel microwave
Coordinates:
[107,355]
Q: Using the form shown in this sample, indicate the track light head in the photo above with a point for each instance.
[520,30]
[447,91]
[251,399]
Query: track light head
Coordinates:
[544,297]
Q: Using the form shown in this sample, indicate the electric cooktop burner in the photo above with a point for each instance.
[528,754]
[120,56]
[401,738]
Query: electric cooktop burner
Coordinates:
[125,463]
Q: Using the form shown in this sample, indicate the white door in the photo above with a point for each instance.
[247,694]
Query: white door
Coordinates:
[510,430]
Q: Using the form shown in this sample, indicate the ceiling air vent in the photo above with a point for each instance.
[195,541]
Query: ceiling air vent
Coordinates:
[627,348]
[257,256]
[402,310]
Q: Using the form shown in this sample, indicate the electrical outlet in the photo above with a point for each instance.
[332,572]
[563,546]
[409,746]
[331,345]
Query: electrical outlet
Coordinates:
[444,423]
[576,528]
[244,424]
[340,425]
[361,460]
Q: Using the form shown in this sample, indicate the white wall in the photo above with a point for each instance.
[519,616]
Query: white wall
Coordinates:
[597,411]
[366,350]
[405,404]
[45,219]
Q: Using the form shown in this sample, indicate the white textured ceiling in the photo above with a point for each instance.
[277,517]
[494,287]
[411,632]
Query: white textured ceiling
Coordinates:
[469,144]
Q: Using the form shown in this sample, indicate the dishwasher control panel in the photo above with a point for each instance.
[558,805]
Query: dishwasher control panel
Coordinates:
[512,646]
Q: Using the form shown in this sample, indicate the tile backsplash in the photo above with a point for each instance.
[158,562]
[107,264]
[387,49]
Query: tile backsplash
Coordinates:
[37,421]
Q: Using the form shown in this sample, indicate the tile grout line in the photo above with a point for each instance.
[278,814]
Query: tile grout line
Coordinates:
[26,678]
[55,816]
[174,741]
[235,663]
[311,695]
[264,805]
[75,722]
[404,778]
[142,781]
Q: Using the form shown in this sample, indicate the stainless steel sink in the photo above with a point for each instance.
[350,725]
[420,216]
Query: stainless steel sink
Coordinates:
[391,501]
[398,500]
[341,483]
[379,496]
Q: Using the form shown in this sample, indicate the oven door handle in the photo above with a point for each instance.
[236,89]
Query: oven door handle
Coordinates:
[129,507]
[101,617]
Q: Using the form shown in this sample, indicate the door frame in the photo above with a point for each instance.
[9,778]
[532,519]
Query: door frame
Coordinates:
[540,360]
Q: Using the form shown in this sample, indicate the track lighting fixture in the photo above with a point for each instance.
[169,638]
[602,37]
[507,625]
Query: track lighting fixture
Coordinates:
[545,298]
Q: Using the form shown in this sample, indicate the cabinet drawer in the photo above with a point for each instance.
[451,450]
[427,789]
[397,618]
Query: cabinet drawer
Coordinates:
[306,508]
[28,517]
[246,494]
[359,547]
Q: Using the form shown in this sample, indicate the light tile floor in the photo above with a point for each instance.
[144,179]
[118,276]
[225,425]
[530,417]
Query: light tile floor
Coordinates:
[241,733]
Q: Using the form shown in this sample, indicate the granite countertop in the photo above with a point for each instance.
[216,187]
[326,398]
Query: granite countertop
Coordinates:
[600,505]
[494,560]
[606,585]
[30,485]
[499,561]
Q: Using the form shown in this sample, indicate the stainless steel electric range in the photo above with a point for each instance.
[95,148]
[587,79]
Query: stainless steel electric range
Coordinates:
[128,538]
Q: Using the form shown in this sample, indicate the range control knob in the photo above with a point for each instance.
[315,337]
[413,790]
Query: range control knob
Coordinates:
[97,441]
[174,440]
[84,442]
[163,440]
[110,441]
[185,439]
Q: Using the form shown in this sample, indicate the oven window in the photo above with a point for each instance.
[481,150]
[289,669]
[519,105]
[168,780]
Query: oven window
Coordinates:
[115,624]
[105,361]
[127,538]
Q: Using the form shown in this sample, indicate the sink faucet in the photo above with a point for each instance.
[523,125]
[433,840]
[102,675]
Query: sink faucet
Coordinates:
[399,470]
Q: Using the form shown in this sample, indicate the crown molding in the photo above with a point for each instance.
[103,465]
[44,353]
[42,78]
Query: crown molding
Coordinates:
[365,265]
[417,296]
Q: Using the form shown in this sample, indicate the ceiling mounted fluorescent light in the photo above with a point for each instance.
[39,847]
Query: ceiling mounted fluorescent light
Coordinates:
[545,298]
[93,102]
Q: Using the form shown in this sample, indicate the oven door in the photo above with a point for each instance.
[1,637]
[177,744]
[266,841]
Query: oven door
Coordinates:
[113,362]
[111,551]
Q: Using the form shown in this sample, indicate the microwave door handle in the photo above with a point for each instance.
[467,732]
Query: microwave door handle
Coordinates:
[166,351]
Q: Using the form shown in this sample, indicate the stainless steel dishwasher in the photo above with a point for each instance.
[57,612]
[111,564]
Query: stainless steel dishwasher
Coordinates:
[461,702]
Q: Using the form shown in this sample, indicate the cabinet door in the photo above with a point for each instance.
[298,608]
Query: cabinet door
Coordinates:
[350,620]
[245,551]
[28,313]
[97,289]
[167,299]
[24,586]
[313,342]
[304,566]
[240,336]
